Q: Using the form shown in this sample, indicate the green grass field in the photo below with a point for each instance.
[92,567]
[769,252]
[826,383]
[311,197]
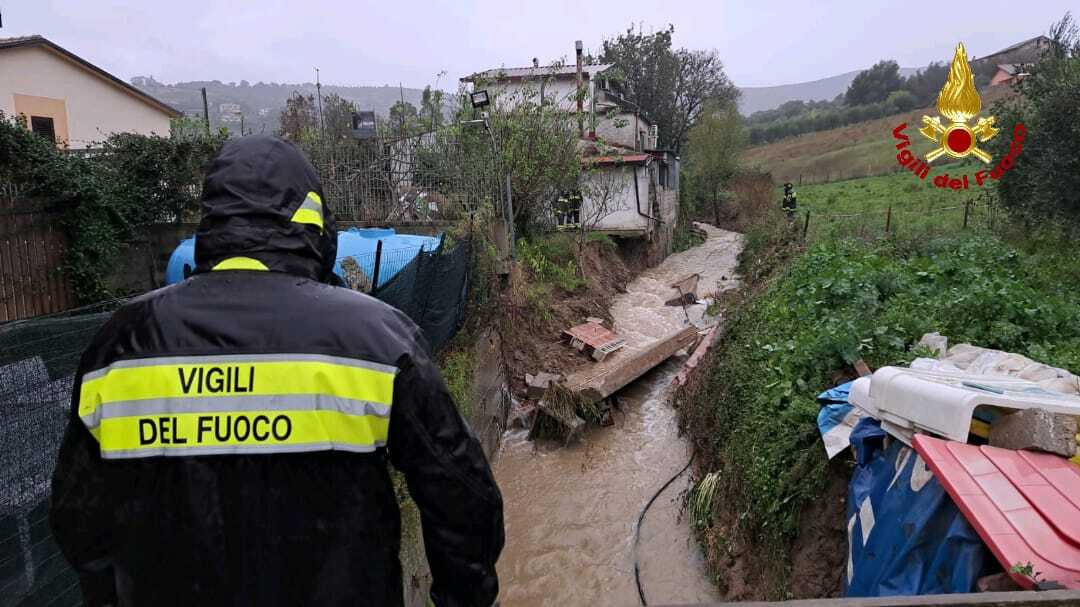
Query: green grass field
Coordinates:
[860,207]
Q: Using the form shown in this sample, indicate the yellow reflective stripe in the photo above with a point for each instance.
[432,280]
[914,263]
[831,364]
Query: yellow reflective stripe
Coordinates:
[308,216]
[207,380]
[310,211]
[243,432]
[241,263]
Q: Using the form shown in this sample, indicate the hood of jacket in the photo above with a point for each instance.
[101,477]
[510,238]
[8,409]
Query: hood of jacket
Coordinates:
[263,209]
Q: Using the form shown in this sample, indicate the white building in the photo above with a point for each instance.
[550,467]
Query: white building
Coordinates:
[68,99]
[629,188]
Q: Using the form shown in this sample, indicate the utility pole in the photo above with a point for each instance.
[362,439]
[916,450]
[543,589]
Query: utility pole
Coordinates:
[318,91]
[401,92]
[241,124]
[580,91]
[205,112]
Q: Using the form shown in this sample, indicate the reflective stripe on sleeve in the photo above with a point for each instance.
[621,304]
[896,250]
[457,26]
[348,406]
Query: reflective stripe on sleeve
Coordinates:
[310,211]
[269,403]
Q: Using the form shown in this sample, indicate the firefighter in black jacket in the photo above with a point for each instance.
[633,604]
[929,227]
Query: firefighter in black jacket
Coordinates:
[230,434]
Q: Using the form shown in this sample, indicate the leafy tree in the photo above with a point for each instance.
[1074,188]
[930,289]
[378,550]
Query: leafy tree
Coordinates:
[404,118]
[431,108]
[927,82]
[875,84]
[337,118]
[903,101]
[714,146]
[1044,182]
[299,121]
[670,86]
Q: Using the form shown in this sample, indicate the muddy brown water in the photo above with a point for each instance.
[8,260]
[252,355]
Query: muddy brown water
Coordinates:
[571,511]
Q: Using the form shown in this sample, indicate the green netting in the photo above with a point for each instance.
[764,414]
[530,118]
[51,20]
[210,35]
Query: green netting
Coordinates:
[37,360]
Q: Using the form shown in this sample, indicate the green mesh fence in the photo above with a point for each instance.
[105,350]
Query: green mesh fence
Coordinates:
[38,358]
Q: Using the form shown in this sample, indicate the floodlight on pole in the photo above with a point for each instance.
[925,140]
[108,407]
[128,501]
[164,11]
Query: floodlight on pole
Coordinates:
[479,99]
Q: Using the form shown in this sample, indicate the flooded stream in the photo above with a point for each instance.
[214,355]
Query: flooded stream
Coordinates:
[570,512]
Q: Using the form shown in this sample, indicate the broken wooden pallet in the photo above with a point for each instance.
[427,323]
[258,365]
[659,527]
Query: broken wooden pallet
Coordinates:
[600,381]
[594,339]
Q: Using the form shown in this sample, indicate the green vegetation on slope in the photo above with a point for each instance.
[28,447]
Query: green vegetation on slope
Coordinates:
[754,420]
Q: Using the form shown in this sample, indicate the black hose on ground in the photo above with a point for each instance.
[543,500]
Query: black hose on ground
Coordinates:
[637,530]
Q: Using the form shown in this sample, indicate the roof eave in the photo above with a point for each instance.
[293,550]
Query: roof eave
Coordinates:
[30,41]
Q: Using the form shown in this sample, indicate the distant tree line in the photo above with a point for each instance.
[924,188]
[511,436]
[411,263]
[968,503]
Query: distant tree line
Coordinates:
[303,121]
[874,93]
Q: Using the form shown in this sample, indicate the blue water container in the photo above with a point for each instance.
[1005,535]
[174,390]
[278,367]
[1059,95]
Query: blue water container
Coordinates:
[356,243]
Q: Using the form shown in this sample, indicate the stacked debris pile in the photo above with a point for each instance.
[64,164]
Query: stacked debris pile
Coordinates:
[962,471]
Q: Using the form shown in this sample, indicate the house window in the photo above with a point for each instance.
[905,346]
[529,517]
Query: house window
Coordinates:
[663,174]
[43,126]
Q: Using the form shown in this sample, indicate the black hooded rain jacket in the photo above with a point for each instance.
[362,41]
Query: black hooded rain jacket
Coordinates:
[230,434]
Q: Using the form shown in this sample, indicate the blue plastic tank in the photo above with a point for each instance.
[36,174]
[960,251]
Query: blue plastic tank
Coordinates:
[181,262]
[357,243]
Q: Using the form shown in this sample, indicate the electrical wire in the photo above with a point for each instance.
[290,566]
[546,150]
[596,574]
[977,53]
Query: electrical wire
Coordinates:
[637,530]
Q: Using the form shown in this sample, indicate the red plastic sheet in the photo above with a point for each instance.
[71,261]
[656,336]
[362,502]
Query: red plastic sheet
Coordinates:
[1024,505]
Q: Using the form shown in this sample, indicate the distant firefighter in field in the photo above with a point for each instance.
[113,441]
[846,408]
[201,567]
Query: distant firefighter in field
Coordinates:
[789,204]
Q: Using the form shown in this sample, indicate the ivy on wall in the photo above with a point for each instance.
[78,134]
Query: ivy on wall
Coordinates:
[109,195]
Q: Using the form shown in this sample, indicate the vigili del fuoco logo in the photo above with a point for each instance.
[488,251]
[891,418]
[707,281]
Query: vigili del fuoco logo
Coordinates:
[958,103]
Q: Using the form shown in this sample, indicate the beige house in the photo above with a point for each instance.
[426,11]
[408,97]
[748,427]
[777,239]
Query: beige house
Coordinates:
[68,99]
[629,188]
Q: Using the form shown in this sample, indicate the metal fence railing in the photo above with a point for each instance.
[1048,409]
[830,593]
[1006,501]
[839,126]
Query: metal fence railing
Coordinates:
[436,176]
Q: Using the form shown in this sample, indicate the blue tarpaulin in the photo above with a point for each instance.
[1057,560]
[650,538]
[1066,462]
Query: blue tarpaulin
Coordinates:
[837,418]
[905,534]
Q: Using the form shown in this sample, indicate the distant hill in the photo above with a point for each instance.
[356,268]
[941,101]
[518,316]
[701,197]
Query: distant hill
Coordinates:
[758,98]
[856,150]
[261,103]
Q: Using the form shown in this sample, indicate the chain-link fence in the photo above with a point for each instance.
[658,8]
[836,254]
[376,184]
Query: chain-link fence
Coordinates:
[437,176]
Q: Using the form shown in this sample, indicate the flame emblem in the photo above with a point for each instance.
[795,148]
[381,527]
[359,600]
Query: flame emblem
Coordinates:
[959,102]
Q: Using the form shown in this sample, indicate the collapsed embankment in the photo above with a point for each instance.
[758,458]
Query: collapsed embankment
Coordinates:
[571,509]
[515,327]
[769,507]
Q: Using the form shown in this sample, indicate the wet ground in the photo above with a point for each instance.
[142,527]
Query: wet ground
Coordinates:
[570,512]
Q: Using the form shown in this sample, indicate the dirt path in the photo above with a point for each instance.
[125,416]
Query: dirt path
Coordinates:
[570,512]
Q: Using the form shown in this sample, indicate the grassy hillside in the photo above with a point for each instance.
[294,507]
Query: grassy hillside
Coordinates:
[857,150]
[840,298]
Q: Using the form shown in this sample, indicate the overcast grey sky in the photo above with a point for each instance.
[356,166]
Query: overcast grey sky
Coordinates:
[762,42]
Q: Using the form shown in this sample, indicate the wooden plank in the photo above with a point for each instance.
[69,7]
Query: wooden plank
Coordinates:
[19,269]
[695,358]
[7,302]
[1052,598]
[602,380]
